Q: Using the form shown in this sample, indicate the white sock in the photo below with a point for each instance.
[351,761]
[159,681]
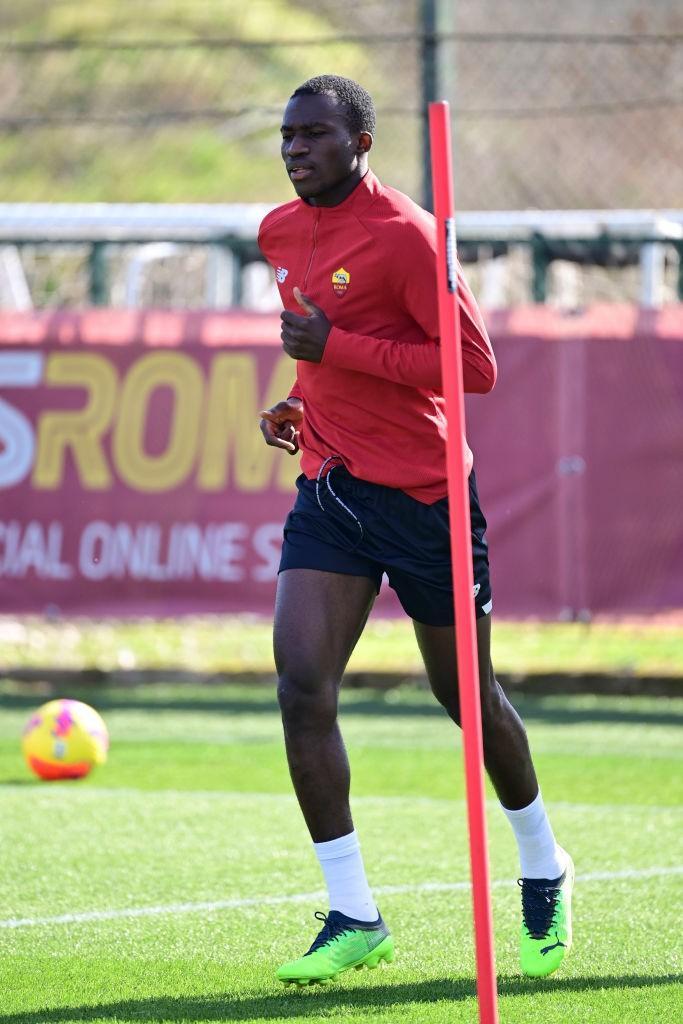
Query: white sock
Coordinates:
[539,854]
[344,873]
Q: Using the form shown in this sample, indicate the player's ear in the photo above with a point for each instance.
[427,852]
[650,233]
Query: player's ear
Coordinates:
[364,143]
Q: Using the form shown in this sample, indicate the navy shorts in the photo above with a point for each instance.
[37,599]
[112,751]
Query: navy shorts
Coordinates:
[346,525]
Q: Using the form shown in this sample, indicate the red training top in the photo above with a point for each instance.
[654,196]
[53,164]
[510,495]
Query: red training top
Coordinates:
[375,399]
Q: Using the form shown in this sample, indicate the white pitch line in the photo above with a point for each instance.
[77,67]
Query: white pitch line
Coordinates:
[303,897]
[229,794]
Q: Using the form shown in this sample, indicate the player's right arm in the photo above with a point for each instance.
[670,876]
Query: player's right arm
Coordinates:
[280,425]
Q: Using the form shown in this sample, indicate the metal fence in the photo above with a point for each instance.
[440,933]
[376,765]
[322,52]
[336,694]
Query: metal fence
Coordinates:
[181,101]
[205,255]
[555,106]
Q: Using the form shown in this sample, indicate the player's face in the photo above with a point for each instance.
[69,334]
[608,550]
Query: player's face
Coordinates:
[322,155]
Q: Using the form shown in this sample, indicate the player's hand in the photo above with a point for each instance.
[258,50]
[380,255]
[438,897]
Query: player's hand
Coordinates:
[280,425]
[305,336]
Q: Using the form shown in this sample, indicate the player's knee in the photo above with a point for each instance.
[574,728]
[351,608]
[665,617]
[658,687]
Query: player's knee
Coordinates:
[306,701]
[491,696]
[450,703]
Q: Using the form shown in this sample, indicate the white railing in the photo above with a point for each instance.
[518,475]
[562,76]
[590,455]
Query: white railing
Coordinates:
[230,231]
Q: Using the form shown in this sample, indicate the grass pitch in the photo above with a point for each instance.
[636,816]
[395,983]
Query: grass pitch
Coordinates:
[219,643]
[170,884]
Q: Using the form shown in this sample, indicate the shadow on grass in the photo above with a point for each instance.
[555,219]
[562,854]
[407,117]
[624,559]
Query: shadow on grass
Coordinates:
[530,708]
[321,1003]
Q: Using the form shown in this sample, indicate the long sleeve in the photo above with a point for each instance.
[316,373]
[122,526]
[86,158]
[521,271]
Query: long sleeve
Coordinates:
[415,363]
[295,391]
[376,398]
[418,363]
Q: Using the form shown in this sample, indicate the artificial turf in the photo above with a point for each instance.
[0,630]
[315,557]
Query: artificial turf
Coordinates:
[188,863]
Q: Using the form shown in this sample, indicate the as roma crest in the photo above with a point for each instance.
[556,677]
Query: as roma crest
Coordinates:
[340,281]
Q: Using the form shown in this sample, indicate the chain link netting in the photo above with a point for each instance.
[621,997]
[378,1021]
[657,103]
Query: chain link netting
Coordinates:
[145,109]
[177,101]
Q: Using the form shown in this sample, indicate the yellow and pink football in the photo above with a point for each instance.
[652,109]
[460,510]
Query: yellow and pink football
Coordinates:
[64,739]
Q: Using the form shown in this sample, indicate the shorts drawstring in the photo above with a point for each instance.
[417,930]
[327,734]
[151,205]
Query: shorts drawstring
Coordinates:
[332,458]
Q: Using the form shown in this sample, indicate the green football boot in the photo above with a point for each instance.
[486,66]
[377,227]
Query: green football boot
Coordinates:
[546,922]
[342,943]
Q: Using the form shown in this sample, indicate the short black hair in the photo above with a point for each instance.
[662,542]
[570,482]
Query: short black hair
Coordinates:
[360,110]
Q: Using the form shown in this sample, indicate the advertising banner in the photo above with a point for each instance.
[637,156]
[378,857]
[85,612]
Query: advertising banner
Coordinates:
[134,478]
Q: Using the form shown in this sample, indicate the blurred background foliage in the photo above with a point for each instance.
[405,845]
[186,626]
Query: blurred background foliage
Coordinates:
[554,105]
[83,122]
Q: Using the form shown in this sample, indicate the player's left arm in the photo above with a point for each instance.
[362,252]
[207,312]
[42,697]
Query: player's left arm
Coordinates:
[311,336]
[409,253]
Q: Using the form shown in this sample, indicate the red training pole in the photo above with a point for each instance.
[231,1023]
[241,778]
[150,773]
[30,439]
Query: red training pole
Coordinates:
[461,555]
